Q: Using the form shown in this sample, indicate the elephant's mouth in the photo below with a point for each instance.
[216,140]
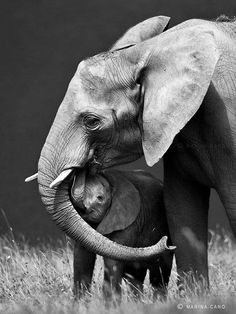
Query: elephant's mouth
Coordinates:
[94,163]
[93,166]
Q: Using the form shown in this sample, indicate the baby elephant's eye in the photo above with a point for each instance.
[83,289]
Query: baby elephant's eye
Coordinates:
[92,122]
[100,198]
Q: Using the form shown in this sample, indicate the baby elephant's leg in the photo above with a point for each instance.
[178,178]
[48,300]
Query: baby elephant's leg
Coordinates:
[113,272]
[135,274]
[160,274]
[84,262]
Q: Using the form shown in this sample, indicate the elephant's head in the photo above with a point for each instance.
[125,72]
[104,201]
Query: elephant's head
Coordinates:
[132,99]
[97,126]
[110,201]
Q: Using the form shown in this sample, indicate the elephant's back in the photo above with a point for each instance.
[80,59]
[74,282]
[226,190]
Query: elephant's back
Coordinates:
[144,181]
[149,187]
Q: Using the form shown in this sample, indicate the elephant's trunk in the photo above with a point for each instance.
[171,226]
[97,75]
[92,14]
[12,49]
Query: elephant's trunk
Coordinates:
[59,206]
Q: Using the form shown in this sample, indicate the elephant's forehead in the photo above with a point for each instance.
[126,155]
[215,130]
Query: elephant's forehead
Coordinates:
[97,70]
[96,187]
[102,71]
[95,88]
[91,84]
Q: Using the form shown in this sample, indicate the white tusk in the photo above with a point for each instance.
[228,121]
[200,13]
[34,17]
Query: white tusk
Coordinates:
[64,174]
[91,152]
[31,178]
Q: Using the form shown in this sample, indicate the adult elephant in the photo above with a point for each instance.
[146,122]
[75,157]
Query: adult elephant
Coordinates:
[171,94]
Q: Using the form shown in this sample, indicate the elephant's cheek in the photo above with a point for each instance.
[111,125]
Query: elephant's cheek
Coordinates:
[131,140]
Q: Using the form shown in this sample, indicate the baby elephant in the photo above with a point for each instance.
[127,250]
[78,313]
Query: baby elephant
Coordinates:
[128,208]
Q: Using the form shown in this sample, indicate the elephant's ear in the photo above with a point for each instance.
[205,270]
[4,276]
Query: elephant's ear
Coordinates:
[175,81]
[142,31]
[125,204]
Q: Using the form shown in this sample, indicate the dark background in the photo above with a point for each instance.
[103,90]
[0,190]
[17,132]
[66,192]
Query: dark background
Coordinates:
[42,43]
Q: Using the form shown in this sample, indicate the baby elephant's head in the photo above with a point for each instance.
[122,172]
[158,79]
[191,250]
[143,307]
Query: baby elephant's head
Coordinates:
[108,199]
[96,198]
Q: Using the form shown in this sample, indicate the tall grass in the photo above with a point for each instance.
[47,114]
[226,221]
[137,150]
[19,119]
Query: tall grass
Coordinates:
[39,280]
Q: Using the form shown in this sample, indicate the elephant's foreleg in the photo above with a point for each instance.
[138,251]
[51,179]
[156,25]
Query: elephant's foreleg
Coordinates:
[228,197]
[135,274]
[84,262]
[160,274]
[113,271]
[187,204]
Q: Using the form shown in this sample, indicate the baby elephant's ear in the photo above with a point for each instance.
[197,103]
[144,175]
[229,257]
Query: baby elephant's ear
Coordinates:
[125,205]
[143,31]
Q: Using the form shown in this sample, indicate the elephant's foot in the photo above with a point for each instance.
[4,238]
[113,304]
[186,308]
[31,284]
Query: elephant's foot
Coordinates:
[80,290]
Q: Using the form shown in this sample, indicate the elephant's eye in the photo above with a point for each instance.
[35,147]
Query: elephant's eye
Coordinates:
[92,122]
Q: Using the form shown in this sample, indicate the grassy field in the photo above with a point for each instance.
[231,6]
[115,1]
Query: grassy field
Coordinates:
[39,280]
